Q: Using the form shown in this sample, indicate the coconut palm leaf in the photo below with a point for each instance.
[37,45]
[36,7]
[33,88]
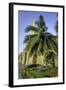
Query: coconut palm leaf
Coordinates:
[27,37]
[31,28]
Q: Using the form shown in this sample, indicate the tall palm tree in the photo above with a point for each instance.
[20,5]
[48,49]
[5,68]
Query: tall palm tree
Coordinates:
[38,42]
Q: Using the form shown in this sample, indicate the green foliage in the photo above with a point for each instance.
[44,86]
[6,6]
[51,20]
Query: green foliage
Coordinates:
[50,56]
[40,42]
[39,72]
[29,28]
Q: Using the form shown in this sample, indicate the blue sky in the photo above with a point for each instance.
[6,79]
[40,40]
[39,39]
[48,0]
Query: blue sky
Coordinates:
[26,18]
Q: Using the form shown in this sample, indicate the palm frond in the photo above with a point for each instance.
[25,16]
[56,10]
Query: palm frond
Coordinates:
[27,37]
[31,28]
[34,45]
[54,45]
[50,56]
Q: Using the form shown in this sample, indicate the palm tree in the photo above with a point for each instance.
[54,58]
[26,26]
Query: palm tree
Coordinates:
[38,42]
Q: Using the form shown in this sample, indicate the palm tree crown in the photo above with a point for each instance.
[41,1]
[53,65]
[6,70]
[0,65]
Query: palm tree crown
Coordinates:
[38,42]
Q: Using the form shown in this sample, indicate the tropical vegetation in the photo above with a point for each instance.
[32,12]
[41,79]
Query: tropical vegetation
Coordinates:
[40,42]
